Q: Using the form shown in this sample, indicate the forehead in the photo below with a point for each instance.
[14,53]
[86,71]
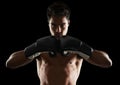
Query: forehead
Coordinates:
[55,19]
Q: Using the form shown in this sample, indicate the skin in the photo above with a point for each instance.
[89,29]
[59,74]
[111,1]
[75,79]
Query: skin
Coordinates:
[59,70]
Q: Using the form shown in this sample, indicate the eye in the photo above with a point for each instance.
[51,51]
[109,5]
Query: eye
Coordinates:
[62,25]
[53,25]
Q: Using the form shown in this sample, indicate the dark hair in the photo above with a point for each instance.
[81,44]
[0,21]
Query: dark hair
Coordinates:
[58,9]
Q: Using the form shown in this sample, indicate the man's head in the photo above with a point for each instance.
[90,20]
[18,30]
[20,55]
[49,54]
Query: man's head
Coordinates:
[58,15]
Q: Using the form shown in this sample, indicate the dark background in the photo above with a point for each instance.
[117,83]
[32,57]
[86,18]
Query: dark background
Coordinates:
[94,22]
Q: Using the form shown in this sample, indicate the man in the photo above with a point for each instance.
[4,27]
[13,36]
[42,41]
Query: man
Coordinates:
[59,57]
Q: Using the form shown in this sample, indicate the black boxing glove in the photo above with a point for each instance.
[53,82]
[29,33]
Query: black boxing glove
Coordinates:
[45,44]
[74,45]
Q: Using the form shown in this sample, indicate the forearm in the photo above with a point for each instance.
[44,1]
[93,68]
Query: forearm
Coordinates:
[17,59]
[100,58]
[23,57]
[93,56]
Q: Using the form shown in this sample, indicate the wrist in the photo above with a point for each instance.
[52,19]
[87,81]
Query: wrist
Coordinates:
[85,50]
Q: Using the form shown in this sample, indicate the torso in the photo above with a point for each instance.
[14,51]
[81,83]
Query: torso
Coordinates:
[58,70]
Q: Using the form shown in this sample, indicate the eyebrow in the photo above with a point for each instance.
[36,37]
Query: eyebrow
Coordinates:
[59,24]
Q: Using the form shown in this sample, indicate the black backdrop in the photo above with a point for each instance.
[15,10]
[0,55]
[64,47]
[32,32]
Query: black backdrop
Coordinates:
[93,22]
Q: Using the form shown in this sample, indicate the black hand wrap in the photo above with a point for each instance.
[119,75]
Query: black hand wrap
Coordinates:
[45,44]
[72,44]
[52,45]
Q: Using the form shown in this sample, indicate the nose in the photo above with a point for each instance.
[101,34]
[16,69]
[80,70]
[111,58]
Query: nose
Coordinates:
[58,29]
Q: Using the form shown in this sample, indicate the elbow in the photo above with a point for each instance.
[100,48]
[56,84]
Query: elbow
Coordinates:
[10,65]
[108,64]
[103,59]
[108,61]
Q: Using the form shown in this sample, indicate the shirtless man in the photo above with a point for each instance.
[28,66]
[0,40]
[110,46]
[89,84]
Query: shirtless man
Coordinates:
[59,57]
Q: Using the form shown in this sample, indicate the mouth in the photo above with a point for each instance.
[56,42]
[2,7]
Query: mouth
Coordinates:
[58,35]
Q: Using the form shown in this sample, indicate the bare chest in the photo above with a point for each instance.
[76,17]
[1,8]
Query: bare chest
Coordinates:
[59,68]
[58,60]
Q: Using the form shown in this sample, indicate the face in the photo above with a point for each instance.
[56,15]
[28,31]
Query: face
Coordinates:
[58,26]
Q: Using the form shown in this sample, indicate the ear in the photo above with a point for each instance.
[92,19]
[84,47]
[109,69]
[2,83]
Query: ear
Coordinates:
[69,22]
